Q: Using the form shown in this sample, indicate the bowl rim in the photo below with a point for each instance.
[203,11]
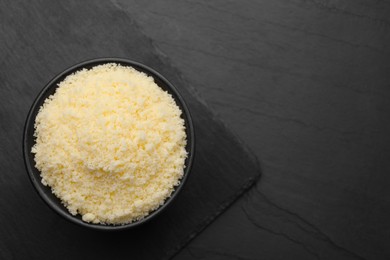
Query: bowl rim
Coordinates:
[30,121]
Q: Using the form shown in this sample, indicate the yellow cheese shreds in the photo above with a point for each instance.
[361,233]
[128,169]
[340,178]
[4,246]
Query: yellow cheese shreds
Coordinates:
[110,143]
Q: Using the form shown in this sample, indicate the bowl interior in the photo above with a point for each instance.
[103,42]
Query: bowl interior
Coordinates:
[29,140]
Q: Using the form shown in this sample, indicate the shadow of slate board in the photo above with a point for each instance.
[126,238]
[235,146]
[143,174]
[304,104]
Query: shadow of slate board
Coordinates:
[40,40]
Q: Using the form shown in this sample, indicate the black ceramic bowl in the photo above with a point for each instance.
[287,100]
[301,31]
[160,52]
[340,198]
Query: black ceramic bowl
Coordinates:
[29,141]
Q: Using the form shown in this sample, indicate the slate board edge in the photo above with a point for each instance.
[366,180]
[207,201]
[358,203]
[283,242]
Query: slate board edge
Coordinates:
[208,220]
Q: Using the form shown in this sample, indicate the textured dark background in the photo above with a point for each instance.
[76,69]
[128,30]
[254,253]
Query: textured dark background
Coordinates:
[305,83]
[31,230]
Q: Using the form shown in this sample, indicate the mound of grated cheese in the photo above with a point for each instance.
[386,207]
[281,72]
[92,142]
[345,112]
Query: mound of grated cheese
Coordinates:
[110,143]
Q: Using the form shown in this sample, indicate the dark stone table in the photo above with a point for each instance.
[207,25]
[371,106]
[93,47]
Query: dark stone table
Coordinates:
[306,85]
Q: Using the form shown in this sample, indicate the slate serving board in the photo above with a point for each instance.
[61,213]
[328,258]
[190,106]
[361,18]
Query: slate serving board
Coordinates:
[41,41]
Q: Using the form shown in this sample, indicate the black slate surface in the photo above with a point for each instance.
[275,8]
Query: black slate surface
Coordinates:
[305,83]
[38,41]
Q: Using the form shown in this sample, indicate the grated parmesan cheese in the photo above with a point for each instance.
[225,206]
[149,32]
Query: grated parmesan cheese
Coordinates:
[110,143]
